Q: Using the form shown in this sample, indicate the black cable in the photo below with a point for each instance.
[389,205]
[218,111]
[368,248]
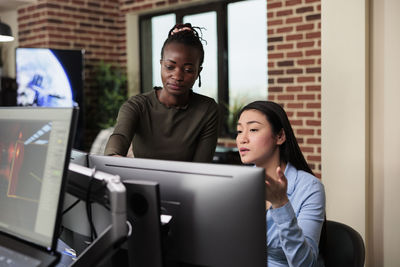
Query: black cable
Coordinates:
[70,207]
[93,233]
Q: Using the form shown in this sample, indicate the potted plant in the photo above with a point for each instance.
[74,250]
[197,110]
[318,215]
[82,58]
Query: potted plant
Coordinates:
[110,82]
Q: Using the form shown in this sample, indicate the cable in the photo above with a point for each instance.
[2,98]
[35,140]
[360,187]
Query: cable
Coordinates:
[70,207]
[93,233]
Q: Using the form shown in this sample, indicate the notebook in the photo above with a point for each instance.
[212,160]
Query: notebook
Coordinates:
[35,145]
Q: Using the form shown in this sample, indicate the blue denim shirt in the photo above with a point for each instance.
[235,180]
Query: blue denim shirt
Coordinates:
[293,231]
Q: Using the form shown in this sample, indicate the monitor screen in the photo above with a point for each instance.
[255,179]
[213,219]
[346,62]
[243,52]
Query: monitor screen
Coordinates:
[34,156]
[218,211]
[51,78]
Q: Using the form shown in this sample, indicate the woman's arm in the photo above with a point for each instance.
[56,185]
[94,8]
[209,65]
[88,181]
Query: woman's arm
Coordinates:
[207,140]
[127,121]
[299,236]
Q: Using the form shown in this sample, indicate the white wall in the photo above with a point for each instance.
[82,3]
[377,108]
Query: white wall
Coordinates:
[360,121]
[344,110]
[385,133]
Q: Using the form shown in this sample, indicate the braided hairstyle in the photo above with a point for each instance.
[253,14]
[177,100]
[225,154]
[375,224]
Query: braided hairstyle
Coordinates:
[277,118]
[185,34]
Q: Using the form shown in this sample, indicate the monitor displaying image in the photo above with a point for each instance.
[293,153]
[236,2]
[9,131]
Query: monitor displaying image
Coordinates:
[49,77]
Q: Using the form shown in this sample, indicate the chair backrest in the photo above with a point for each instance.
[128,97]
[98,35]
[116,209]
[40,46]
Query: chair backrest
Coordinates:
[343,246]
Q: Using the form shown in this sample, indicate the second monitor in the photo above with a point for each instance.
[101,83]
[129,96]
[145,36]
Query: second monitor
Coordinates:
[218,211]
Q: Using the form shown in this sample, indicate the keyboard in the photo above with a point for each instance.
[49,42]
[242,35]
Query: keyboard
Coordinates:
[11,258]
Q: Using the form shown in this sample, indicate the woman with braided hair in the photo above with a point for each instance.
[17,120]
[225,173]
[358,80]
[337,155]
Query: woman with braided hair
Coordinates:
[170,122]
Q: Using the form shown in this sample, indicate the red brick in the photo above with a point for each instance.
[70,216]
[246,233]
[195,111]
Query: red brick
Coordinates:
[313,70]
[295,89]
[294,37]
[312,35]
[285,63]
[294,71]
[314,158]
[285,29]
[294,20]
[313,88]
[313,105]
[295,54]
[304,9]
[305,79]
[295,105]
[313,122]
[274,22]
[307,149]
[292,2]
[274,5]
[305,114]
[305,132]
[275,72]
[285,80]
[313,17]
[275,89]
[316,52]
[306,62]
[296,122]
[305,97]
[275,55]
[314,141]
[285,46]
[284,12]
[305,44]
[305,27]
[285,97]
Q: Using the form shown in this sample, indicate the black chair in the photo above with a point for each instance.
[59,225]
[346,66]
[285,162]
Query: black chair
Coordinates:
[343,246]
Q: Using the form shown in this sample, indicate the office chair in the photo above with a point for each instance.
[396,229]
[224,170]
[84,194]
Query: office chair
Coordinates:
[343,246]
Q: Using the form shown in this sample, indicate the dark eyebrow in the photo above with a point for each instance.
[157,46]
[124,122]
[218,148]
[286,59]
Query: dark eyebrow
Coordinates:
[170,60]
[250,122]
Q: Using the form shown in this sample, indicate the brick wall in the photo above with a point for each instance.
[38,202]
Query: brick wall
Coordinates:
[294,69]
[98,26]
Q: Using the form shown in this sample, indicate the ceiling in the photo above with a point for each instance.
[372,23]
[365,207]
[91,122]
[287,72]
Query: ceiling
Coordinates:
[7,5]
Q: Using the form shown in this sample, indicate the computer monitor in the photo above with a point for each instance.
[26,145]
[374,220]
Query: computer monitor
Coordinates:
[143,213]
[48,77]
[218,211]
[35,148]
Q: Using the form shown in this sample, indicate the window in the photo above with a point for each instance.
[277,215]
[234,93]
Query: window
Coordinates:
[235,63]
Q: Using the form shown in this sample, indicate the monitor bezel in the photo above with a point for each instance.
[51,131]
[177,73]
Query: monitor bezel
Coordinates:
[73,111]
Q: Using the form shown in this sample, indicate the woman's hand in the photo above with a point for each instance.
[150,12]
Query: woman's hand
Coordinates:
[276,188]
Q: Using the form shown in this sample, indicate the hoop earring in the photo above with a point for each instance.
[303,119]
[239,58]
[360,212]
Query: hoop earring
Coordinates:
[199,80]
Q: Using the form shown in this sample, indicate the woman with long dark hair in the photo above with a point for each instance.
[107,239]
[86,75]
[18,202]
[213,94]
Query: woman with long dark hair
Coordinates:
[295,197]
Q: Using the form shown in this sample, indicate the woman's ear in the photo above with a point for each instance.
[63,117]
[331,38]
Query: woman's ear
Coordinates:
[281,137]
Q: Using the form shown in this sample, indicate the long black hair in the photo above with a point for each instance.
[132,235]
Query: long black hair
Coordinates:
[278,119]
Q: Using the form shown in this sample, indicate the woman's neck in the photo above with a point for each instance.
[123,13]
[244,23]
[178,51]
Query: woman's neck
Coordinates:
[272,163]
[172,100]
